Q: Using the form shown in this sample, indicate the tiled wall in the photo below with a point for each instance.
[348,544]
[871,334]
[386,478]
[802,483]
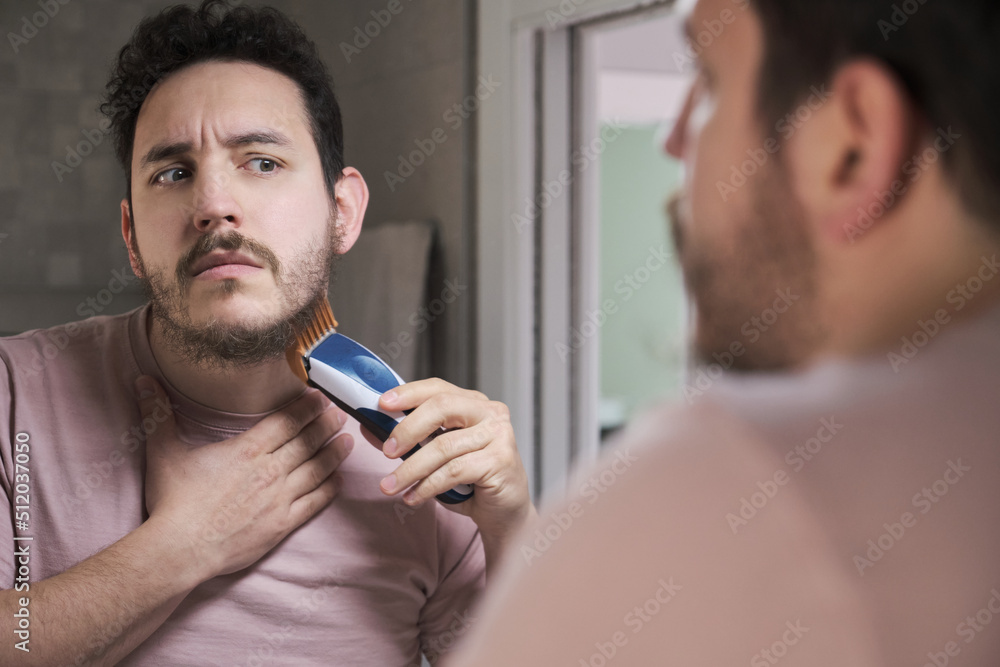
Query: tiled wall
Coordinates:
[60,239]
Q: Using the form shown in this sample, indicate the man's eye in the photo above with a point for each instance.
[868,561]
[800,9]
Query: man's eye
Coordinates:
[264,164]
[173,175]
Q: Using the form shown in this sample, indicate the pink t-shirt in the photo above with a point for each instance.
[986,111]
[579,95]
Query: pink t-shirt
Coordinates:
[365,582]
[846,516]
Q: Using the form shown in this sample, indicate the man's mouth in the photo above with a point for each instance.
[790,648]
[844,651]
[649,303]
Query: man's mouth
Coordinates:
[224,265]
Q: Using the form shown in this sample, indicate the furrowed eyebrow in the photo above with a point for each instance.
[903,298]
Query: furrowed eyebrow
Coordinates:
[164,152]
[273,138]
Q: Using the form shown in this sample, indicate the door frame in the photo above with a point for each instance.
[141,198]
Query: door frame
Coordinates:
[535,282]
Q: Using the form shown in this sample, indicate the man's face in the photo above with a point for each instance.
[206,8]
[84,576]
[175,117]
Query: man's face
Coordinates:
[745,247]
[234,230]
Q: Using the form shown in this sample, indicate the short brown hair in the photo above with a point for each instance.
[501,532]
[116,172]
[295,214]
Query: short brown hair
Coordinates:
[946,54]
[180,36]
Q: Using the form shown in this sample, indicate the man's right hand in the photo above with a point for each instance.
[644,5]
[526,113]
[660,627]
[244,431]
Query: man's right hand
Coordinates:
[234,500]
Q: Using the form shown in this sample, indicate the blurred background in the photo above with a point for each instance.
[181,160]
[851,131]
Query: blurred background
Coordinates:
[480,262]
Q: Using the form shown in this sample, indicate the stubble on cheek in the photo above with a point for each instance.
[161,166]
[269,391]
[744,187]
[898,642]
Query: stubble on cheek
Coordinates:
[738,274]
[260,337]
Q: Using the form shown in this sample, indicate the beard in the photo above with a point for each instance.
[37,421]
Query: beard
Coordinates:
[735,282]
[258,338]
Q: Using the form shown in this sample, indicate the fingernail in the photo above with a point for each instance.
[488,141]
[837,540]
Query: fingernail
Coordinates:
[410,497]
[347,444]
[390,447]
[144,388]
[390,397]
[389,484]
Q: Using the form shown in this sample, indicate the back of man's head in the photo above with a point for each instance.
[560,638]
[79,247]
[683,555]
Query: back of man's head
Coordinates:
[946,54]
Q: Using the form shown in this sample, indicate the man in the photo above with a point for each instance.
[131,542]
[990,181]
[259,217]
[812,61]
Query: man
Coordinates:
[218,512]
[838,506]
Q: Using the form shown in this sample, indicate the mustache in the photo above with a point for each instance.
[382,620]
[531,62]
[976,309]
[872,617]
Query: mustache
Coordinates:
[232,241]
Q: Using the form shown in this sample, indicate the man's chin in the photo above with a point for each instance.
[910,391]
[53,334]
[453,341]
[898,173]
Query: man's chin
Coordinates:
[229,342]
[236,308]
[729,350]
[743,355]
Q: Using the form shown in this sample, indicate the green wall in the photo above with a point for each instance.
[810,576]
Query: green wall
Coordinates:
[643,344]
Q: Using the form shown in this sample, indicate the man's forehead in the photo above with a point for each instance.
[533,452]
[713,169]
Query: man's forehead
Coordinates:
[224,98]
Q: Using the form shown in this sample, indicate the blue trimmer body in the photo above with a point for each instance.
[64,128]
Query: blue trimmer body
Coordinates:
[354,378]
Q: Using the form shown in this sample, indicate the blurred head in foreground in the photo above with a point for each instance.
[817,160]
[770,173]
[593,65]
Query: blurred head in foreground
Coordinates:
[841,201]
[839,182]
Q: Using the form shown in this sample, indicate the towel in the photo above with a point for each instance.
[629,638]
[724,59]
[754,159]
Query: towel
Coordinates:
[378,290]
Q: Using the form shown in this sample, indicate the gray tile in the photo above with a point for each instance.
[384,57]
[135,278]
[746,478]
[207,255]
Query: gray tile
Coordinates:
[63,268]
[423,34]
[8,72]
[20,253]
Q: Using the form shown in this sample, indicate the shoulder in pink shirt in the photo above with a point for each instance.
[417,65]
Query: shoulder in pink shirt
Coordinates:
[366,581]
[843,516]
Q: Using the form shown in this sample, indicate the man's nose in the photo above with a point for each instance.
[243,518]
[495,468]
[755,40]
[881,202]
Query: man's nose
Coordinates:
[214,204]
[675,143]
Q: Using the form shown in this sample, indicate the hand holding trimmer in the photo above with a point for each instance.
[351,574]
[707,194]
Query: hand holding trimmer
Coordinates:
[353,378]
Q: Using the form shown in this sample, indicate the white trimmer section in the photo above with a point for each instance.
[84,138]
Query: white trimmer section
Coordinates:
[354,378]
[347,387]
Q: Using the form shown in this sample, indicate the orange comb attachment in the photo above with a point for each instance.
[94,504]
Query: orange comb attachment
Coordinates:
[322,323]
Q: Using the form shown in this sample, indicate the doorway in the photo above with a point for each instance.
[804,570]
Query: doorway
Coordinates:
[581,311]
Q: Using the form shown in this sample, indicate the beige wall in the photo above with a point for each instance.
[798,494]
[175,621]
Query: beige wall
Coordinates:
[59,240]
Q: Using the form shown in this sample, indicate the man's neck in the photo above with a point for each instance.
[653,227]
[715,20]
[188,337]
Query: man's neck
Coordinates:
[909,285]
[242,390]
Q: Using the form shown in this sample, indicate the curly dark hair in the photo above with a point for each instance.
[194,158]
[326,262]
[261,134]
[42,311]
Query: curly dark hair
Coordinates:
[944,54]
[182,35]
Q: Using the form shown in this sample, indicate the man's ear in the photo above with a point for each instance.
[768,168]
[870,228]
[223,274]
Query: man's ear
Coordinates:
[847,160]
[127,230]
[352,201]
